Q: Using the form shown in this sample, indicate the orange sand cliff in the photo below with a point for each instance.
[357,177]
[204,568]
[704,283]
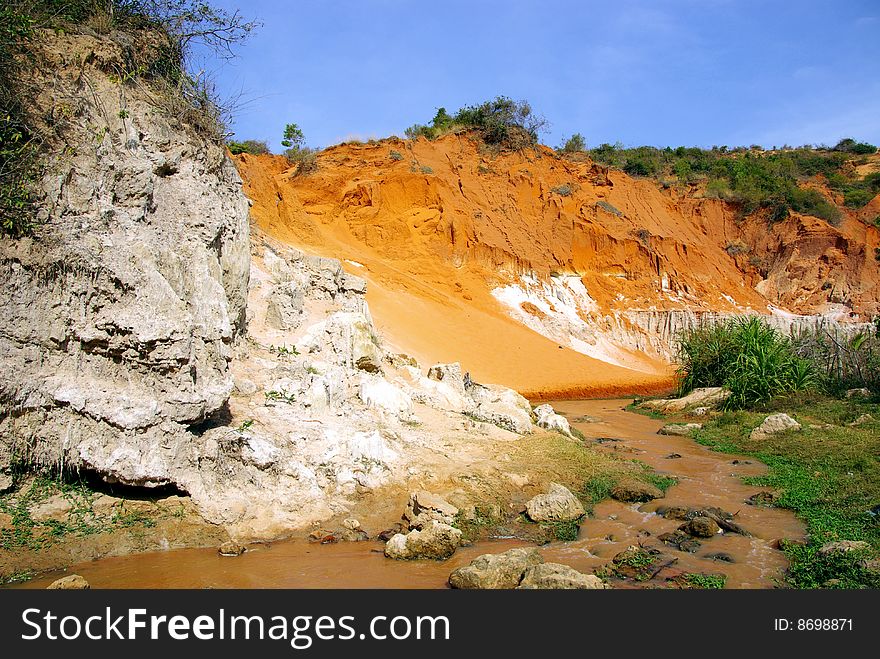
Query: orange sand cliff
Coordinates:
[436,227]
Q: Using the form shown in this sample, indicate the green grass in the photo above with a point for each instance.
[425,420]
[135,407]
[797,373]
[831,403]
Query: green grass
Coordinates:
[82,520]
[564,531]
[830,477]
[597,489]
[706,581]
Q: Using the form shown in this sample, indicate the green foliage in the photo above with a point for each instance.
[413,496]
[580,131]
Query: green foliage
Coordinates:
[747,356]
[27,533]
[253,147]
[276,396]
[754,180]
[305,158]
[424,169]
[597,489]
[574,144]
[844,360]
[502,121]
[849,145]
[293,137]
[706,581]
[563,531]
[395,155]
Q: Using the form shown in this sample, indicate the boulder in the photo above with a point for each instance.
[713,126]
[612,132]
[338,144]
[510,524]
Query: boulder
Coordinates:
[843,547]
[231,549]
[424,507]
[557,505]
[703,397]
[773,424]
[323,536]
[502,407]
[70,582]
[6,483]
[858,393]
[553,576]
[679,429]
[353,535]
[701,527]
[762,499]
[680,540]
[720,556]
[351,524]
[55,508]
[674,512]
[436,541]
[550,420]
[633,491]
[496,571]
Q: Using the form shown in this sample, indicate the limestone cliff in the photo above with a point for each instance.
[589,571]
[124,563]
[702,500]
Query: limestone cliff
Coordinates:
[121,311]
[151,339]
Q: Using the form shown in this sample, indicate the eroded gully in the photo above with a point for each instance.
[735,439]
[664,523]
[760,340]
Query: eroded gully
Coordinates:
[705,479]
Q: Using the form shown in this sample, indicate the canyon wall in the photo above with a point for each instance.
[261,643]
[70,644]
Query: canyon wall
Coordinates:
[597,270]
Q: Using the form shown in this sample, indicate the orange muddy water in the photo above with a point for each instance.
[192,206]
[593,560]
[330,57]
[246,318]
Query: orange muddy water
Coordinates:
[704,479]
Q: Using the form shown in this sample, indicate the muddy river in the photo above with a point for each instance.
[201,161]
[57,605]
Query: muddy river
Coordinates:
[704,479]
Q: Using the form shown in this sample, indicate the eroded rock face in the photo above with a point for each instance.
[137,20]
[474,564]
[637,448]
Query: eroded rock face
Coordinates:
[120,313]
[557,505]
[773,424]
[502,407]
[496,571]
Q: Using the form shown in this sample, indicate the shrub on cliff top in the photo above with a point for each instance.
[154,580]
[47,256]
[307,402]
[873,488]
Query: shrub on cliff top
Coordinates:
[253,147]
[502,121]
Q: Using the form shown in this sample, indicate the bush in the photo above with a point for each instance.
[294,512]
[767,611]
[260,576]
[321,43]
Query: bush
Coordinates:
[252,147]
[574,144]
[755,361]
[563,190]
[849,145]
[502,121]
[305,158]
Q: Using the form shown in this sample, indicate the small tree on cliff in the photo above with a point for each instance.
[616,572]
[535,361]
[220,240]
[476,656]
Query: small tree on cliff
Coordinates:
[297,152]
[293,137]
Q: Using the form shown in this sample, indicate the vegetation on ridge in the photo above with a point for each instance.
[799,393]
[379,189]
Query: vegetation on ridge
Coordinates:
[502,121]
[755,180]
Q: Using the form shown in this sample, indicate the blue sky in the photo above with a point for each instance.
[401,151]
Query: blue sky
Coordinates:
[693,72]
